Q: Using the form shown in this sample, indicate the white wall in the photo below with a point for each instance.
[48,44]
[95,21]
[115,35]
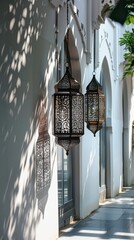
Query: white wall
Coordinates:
[128,119]
[89,177]
[109,49]
[26,67]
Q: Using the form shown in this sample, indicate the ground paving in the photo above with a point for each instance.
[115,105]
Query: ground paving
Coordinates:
[113,220]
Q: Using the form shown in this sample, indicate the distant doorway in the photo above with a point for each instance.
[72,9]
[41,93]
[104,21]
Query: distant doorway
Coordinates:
[105,135]
[102,152]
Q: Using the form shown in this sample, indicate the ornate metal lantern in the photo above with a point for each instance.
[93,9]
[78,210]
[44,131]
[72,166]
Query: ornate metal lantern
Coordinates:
[68,105]
[94,106]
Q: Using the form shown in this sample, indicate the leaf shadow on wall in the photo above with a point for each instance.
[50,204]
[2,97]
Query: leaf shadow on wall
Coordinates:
[21,26]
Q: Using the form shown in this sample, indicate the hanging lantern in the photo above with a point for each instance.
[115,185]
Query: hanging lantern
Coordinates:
[94,106]
[68,105]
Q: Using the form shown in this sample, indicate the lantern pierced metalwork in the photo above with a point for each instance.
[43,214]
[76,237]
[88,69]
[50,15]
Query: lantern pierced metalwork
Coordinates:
[68,105]
[94,106]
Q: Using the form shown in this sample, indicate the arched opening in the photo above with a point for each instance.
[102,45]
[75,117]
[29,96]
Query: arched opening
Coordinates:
[68,166]
[105,136]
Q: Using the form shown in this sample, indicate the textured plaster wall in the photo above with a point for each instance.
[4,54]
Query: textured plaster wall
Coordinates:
[26,70]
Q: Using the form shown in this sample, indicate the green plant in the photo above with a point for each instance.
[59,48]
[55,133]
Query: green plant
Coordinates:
[123,12]
[128,41]
[129,64]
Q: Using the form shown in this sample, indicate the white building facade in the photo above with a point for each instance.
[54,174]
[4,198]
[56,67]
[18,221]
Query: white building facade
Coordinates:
[43,189]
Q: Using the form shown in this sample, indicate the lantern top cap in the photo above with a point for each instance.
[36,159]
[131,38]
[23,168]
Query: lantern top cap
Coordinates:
[67,83]
[94,85]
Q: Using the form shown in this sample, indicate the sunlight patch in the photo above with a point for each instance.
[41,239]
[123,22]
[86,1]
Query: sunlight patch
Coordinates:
[124,234]
[12,22]
[93,232]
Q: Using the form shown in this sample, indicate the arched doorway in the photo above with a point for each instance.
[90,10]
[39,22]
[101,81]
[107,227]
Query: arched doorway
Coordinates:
[105,136]
[68,166]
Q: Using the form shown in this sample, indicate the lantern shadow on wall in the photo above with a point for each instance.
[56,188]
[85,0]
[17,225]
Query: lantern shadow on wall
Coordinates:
[43,164]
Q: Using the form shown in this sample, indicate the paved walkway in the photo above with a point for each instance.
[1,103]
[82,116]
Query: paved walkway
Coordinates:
[113,220]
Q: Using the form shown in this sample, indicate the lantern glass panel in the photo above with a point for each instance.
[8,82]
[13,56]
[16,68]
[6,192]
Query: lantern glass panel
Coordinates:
[62,114]
[77,114]
[101,108]
[93,107]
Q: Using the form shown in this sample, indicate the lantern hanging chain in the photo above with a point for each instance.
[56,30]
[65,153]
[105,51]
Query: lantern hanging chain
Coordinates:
[56,32]
[67,65]
[94,52]
[67,14]
[67,32]
[56,40]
